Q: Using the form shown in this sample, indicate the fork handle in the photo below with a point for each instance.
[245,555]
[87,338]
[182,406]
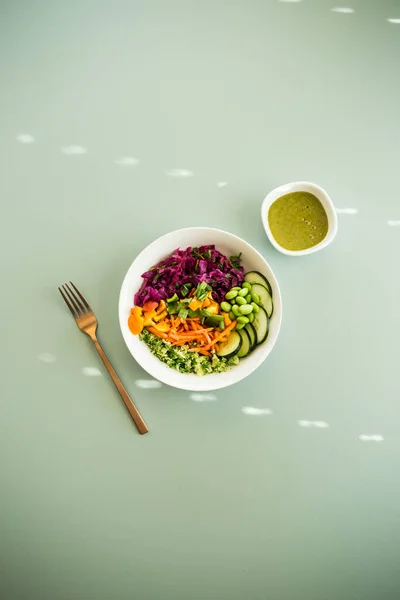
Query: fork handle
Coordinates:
[133,411]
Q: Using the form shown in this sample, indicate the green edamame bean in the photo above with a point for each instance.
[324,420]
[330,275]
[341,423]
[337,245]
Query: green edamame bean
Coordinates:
[251,317]
[233,301]
[240,300]
[255,306]
[247,285]
[243,320]
[231,295]
[243,292]
[235,289]
[246,309]
[226,307]
[248,298]
[255,298]
[235,310]
[232,315]
[240,325]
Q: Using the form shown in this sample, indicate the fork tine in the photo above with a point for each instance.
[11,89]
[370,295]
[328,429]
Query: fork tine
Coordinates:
[81,297]
[78,302]
[67,302]
[73,300]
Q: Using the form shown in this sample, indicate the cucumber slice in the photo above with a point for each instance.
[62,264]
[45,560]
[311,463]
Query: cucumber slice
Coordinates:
[256,277]
[245,348]
[231,346]
[252,335]
[265,298]
[261,325]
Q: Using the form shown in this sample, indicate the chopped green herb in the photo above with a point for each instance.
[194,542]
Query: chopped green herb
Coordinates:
[179,358]
[235,261]
[202,290]
[184,290]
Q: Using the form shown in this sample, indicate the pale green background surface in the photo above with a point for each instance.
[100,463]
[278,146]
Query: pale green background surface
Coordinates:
[214,503]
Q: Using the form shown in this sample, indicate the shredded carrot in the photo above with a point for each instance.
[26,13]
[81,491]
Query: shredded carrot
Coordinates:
[200,351]
[218,337]
[190,332]
[158,333]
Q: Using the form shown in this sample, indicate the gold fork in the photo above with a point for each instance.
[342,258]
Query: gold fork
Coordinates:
[87,322]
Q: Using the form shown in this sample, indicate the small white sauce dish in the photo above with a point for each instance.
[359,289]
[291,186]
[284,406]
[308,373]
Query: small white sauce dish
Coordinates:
[323,197]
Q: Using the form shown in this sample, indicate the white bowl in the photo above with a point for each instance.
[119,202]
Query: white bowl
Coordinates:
[301,186]
[228,244]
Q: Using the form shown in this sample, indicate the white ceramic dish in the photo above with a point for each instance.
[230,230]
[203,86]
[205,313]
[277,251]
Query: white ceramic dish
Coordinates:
[230,245]
[301,186]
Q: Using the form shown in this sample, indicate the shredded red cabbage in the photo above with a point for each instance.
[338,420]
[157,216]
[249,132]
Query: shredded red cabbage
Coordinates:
[192,266]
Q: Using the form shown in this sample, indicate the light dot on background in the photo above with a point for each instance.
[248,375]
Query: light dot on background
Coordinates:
[148,384]
[127,161]
[203,397]
[346,10]
[179,173]
[25,138]
[393,223]
[346,211]
[256,412]
[391,20]
[222,184]
[91,371]
[70,150]
[46,357]
[371,438]
[290,1]
[319,424]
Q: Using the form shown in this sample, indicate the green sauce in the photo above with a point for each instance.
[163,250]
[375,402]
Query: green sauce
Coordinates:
[298,221]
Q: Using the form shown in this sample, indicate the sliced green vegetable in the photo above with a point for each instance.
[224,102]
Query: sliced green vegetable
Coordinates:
[256,277]
[173,308]
[261,325]
[252,333]
[246,346]
[231,347]
[265,298]
[183,313]
[207,313]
